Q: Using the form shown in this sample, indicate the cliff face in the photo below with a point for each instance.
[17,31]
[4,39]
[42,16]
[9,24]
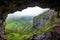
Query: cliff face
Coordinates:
[45,19]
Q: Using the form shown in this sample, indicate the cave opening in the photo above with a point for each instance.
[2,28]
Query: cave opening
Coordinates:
[20,22]
[9,6]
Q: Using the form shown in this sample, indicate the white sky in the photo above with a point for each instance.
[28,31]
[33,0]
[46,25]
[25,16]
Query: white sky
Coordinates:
[30,11]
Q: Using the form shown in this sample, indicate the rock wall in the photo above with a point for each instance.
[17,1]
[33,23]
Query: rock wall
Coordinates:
[47,36]
[44,19]
[47,19]
[2,26]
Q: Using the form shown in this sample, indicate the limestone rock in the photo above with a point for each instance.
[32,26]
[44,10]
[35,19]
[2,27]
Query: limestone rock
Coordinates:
[44,19]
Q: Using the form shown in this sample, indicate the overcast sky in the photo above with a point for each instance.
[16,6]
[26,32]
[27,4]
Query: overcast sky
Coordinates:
[30,11]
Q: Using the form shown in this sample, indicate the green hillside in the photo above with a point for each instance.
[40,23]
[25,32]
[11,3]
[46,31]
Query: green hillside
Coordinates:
[19,28]
[22,28]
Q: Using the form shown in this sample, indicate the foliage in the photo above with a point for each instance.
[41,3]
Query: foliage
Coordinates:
[23,30]
[19,30]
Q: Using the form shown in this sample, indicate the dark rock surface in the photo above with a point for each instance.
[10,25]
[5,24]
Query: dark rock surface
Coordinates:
[2,27]
[47,36]
[14,5]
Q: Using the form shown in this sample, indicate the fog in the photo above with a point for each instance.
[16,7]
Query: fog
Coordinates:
[29,11]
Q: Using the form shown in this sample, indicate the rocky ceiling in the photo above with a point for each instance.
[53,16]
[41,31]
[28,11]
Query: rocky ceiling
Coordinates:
[9,6]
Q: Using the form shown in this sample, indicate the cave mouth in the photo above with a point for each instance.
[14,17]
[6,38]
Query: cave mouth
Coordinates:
[12,6]
[23,18]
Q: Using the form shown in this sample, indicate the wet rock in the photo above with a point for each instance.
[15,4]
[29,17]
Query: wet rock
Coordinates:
[48,36]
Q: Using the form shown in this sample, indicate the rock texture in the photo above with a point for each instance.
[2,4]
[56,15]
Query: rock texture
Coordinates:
[2,27]
[47,36]
[13,5]
[44,19]
[47,19]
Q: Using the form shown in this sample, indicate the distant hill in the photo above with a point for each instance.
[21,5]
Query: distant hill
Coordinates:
[25,18]
[23,23]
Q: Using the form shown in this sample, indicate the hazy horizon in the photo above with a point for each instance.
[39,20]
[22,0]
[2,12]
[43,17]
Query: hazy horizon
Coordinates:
[30,11]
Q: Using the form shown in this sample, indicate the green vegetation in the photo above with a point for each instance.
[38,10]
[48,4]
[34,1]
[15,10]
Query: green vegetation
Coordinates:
[19,30]
[15,32]
[22,29]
